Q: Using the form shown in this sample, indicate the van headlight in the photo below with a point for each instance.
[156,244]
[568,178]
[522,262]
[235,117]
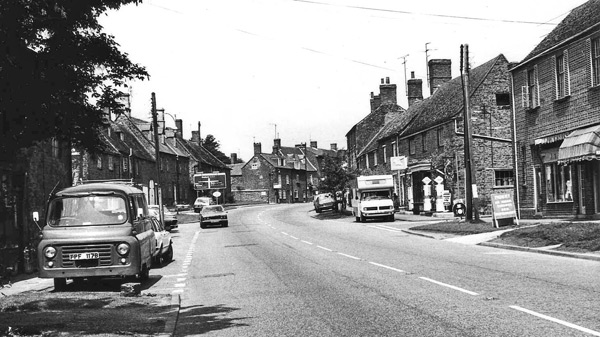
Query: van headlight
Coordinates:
[50,252]
[123,249]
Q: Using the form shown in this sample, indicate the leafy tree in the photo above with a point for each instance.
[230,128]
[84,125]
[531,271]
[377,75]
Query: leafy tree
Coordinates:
[336,176]
[58,71]
[212,145]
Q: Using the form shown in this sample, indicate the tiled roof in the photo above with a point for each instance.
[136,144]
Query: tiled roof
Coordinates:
[398,120]
[200,154]
[447,101]
[580,19]
[140,146]
[236,169]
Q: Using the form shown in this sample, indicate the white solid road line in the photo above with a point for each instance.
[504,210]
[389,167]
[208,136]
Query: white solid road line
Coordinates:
[449,286]
[556,320]
[386,229]
[350,256]
[386,267]
[308,243]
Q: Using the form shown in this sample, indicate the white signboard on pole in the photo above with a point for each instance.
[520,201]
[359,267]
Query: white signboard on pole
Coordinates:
[399,163]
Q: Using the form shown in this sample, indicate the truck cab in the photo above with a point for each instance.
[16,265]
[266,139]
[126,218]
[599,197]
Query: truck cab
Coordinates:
[96,230]
[373,198]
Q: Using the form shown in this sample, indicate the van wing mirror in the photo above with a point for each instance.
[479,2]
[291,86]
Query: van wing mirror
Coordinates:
[140,212]
[36,216]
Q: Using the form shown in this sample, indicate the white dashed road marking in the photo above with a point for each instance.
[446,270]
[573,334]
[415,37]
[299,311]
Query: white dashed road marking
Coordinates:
[556,320]
[449,286]
[386,267]
[350,256]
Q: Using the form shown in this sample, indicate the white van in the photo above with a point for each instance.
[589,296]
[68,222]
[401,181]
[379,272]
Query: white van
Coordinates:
[373,198]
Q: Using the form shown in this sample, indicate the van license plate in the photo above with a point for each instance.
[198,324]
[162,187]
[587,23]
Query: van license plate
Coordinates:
[84,256]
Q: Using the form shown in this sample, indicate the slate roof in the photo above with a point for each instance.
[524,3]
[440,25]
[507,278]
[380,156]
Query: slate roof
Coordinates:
[579,19]
[446,102]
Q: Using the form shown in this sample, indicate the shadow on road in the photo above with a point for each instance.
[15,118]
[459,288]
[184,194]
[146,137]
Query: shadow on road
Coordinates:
[196,320]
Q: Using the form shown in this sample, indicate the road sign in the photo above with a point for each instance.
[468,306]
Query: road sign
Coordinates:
[210,181]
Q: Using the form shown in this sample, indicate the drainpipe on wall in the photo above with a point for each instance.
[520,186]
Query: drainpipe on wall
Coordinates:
[516,173]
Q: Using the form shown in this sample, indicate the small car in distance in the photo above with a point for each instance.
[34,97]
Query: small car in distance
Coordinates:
[164,242]
[170,217]
[200,203]
[324,201]
[213,215]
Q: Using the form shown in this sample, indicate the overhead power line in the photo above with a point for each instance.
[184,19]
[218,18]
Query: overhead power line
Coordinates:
[458,17]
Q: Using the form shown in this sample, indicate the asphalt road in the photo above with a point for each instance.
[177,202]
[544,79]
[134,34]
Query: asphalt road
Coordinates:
[278,271]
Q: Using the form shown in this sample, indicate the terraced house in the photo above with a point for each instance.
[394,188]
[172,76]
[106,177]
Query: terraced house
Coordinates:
[429,139]
[556,97]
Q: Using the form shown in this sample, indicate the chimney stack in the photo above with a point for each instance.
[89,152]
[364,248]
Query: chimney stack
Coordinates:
[233,158]
[387,92]
[440,72]
[333,146]
[179,126]
[276,145]
[415,89]
[313,143]
[375,102]
[257,148]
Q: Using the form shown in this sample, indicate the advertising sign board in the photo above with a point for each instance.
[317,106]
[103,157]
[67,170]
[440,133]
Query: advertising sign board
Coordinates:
[209,181]
[503,207]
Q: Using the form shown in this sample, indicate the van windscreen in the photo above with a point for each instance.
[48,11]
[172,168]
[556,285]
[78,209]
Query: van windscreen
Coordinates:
[87,210]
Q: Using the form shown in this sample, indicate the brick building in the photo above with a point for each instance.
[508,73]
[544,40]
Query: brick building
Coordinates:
[428,135]
[556,99]
[384,107]
[276,177]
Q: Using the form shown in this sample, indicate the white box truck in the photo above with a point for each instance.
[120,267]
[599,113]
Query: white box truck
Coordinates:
[373,198]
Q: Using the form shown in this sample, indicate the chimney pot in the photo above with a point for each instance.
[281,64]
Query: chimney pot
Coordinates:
[382,81]
[387,80]
[412,74]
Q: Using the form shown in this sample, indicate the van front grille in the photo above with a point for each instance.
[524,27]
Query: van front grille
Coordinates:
[103,249]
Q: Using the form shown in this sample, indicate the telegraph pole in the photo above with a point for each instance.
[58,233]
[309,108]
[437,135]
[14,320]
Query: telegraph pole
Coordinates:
[157,153]
[472,199]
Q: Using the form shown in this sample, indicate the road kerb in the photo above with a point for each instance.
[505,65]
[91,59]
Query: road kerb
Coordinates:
[542,251]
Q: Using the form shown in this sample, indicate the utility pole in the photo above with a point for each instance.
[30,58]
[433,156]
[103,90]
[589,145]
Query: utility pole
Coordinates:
[470,178]
[157,153]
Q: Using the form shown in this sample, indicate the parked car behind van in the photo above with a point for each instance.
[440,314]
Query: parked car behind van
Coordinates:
[201,202]
[96,230]
[324,201]
[170,218]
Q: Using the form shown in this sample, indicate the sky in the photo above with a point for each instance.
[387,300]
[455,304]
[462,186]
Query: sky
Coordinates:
[301,70]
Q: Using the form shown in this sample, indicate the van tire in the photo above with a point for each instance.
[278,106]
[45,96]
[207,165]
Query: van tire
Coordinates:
[357,219]
[362,218]
[60,284]
[168,257]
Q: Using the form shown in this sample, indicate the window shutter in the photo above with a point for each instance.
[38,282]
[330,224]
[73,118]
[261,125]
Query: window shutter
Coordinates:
[525,96]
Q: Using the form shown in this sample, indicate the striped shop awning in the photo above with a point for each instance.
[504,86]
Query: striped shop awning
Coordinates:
[582,144]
